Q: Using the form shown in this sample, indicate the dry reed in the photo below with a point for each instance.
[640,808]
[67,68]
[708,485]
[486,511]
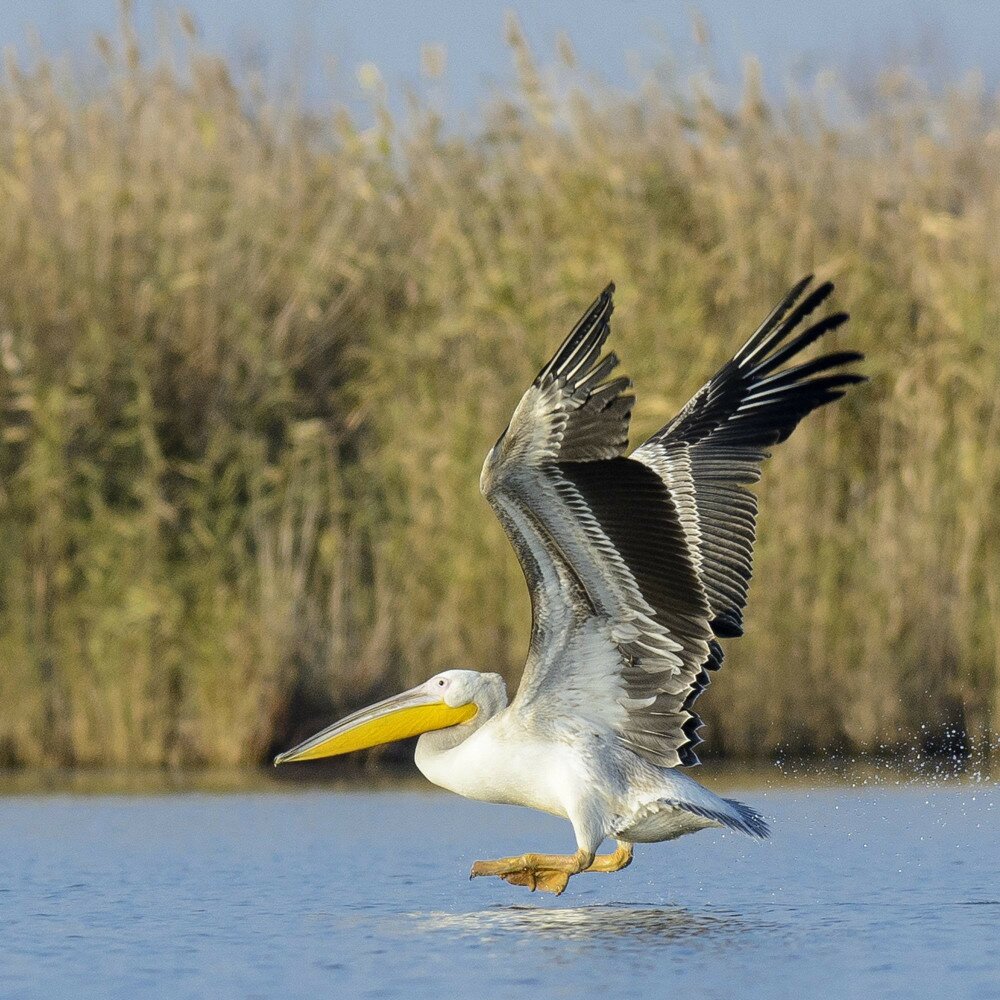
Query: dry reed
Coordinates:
[251,358]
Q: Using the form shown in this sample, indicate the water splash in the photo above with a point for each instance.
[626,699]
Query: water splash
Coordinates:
[899,765]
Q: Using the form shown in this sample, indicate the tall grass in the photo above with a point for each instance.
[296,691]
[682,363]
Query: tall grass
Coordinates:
[252,356]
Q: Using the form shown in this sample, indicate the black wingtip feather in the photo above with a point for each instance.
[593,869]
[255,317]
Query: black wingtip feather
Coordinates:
[763,345]
[795,346]
[689,729]
[798,373]
[776,315]
[728,624]
[588,335]
[598,374]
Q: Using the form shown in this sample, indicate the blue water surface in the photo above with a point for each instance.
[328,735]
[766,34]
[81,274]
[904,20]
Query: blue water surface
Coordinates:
[886,892]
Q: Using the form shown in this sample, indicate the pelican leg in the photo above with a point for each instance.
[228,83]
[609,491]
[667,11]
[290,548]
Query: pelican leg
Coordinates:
[547,872]
[621,858]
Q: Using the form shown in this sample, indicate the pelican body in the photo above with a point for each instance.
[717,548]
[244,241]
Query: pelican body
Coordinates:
[637,566]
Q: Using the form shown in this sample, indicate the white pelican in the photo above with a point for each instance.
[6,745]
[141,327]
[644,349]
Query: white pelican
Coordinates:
[637,566]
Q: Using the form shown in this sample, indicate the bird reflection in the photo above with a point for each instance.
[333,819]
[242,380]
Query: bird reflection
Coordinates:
[623,924]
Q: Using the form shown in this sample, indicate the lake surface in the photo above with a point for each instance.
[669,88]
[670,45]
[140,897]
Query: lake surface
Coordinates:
[861,892]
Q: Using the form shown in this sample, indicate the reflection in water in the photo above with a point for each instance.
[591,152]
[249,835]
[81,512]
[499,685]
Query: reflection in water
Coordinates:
[621,924]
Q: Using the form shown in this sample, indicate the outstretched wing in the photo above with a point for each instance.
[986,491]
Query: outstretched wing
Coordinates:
[715,446]
[619,616]
[619,566]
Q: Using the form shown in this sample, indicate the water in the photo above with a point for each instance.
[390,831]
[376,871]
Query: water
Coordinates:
[886,892]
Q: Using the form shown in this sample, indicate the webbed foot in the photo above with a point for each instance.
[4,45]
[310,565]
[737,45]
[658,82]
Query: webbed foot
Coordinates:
[541,872]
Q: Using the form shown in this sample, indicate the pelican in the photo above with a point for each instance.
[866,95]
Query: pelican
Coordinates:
[637,566]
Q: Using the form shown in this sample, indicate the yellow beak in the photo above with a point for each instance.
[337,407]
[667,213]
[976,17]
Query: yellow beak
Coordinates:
[408,714]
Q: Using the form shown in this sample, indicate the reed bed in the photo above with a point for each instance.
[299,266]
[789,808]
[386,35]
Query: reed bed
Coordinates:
[252,355]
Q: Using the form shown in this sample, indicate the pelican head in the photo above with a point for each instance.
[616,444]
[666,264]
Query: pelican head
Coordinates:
[455,700]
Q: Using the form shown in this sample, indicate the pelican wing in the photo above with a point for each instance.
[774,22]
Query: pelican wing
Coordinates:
[715,446]
[619,615]
[636,565]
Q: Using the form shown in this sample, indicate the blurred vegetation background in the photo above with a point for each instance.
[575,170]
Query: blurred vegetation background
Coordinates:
[252,356]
